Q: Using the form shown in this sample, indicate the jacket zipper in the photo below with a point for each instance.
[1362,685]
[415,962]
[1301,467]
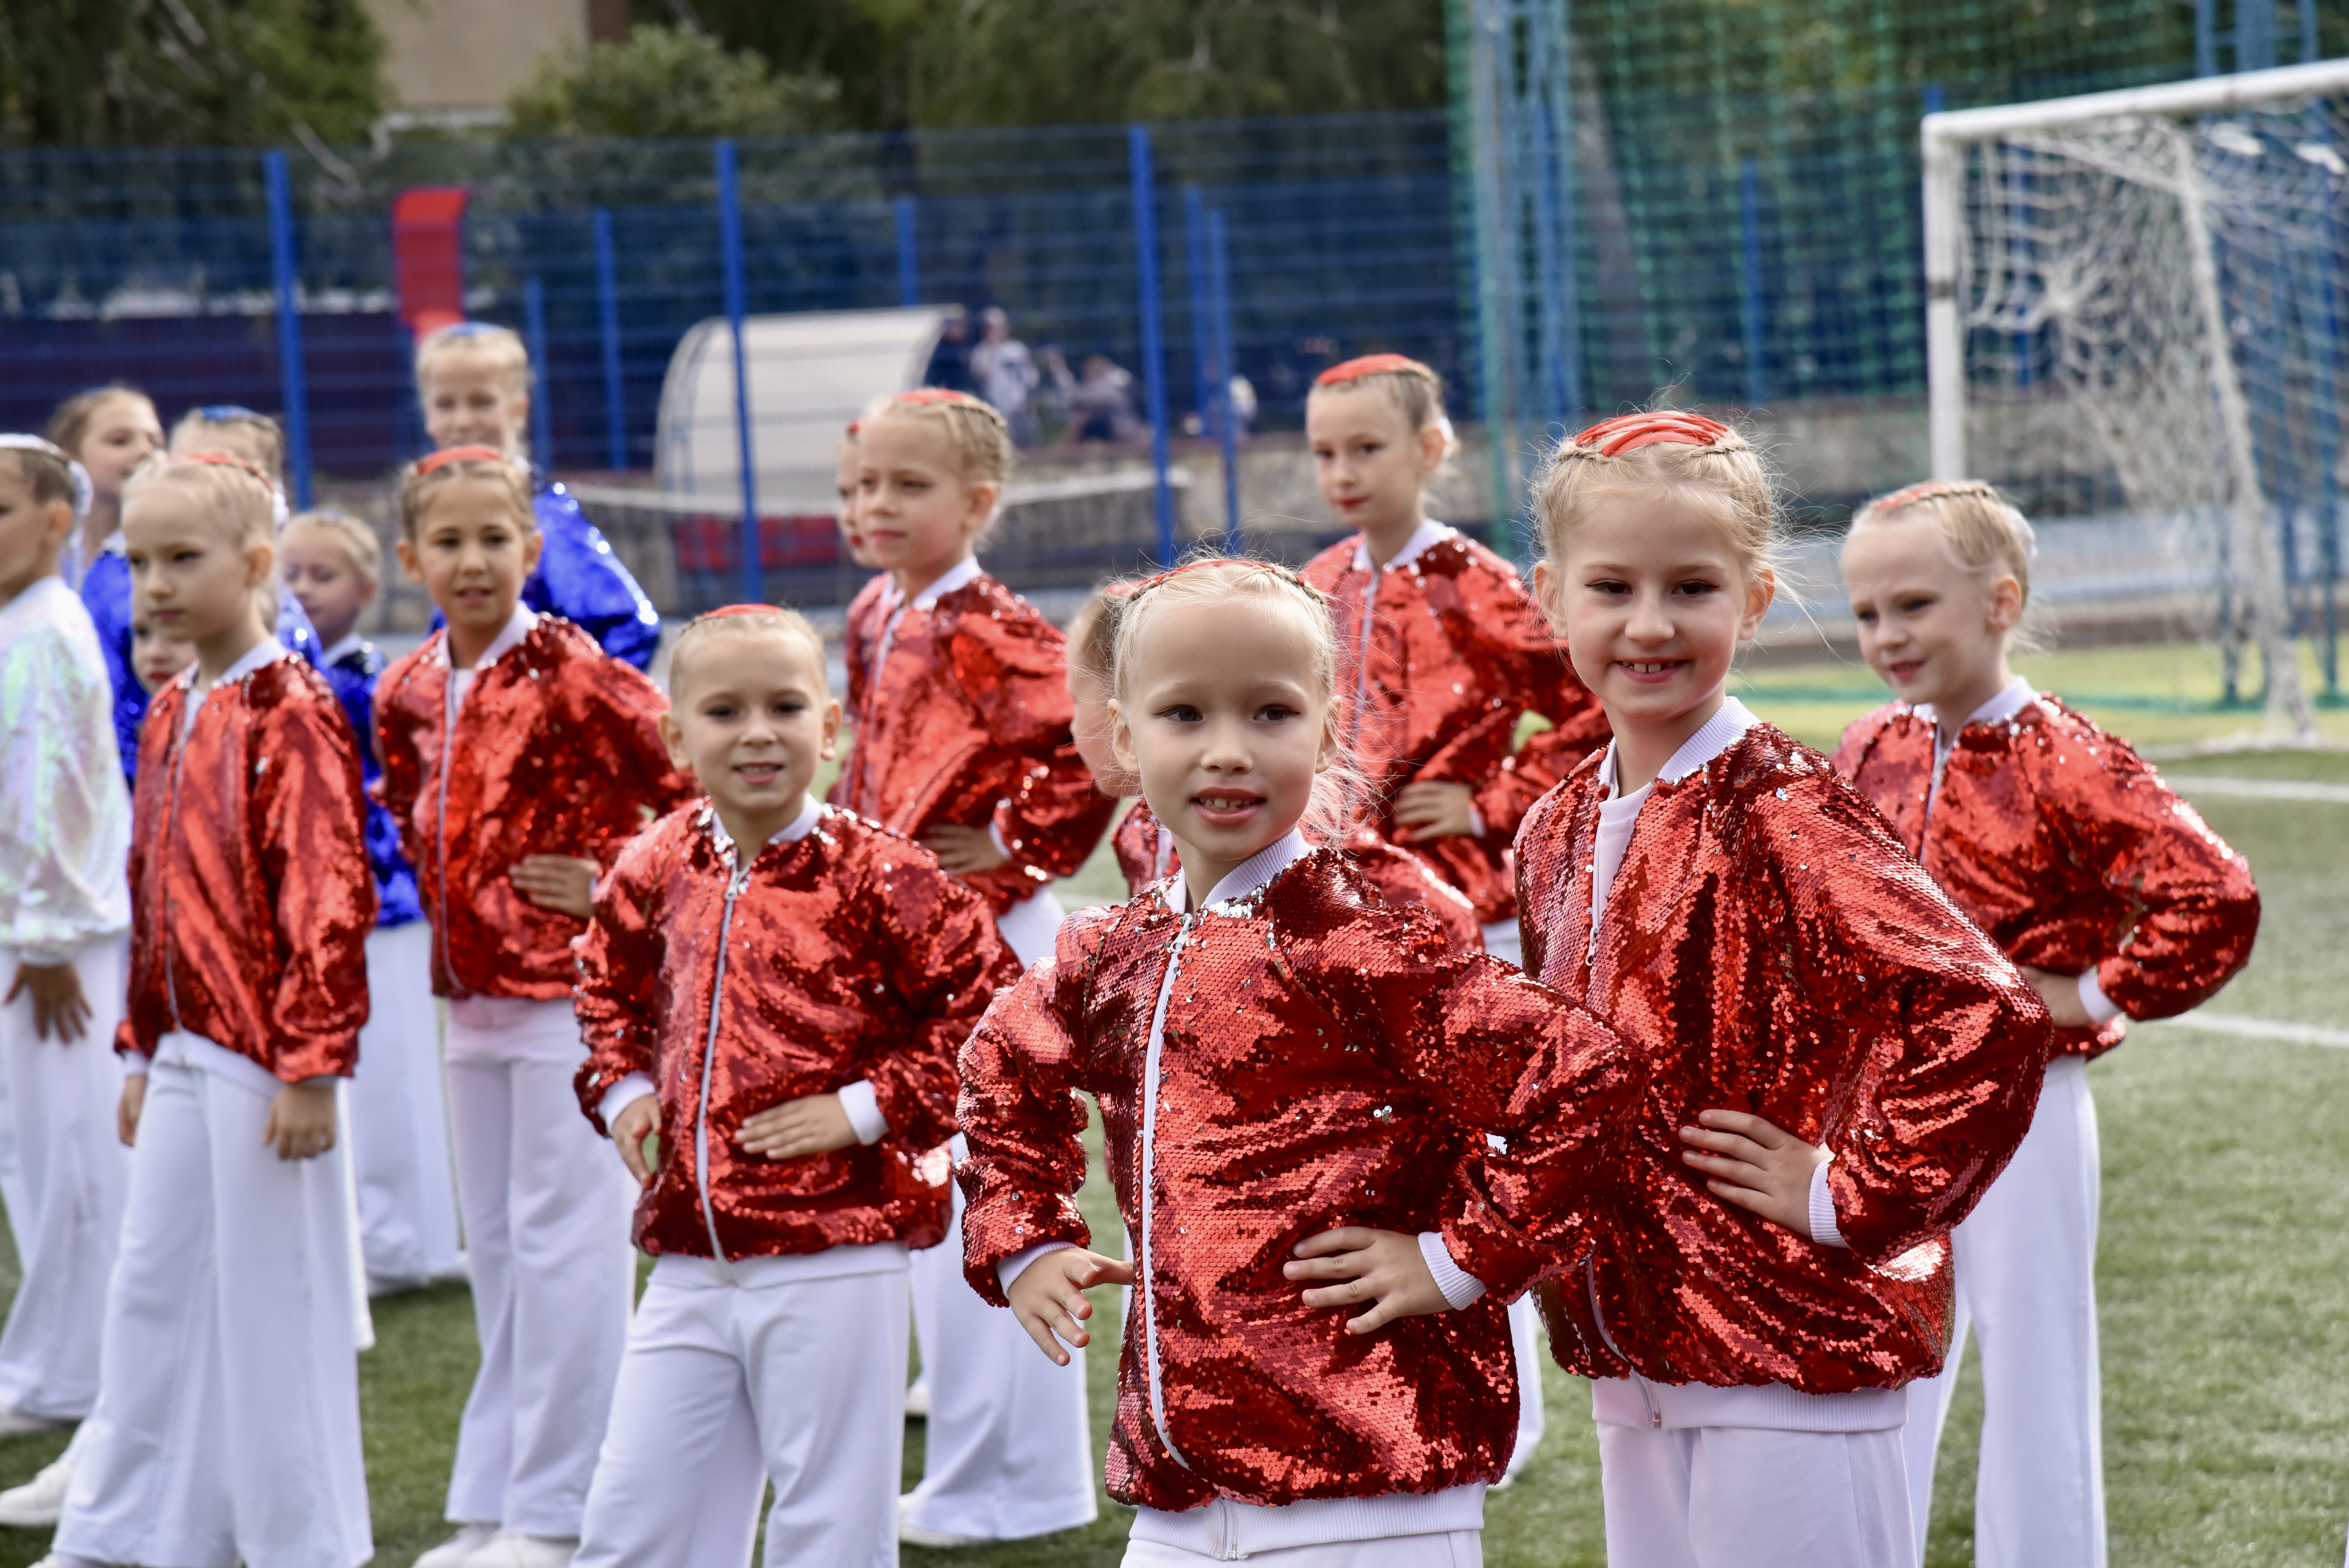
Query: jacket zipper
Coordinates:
[179,756]
[1598,1321]
[871,696]
[1148,1176]
[453,707]
[736,875]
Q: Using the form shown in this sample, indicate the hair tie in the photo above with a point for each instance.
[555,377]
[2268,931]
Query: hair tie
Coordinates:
[1629,432]
[447,455]
[855,425]
[921,396]
[469,329]
[223,412]
[83,494]
[1372,365]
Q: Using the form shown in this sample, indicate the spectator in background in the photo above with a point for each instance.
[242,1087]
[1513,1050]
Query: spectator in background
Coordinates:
[1006,375]
[1101,407]
[950,360]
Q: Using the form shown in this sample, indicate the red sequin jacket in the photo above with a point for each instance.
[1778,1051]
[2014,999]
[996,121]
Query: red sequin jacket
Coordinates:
[2071,852]
[1324,1060]
[842,956]
[1439,657]
[1402,879]
[558,751]
[965,723]
[250,890]
[1768,947]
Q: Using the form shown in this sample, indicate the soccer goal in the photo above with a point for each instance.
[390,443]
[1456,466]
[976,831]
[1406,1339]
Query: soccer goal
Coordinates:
[2136,306]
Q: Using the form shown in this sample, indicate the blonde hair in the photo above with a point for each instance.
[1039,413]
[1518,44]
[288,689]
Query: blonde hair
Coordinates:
[69,426]
[1092,632]
[1663,455]
[1413,390]
[360,545]
[233,491]
[49,475]
[980,439]
[426,477]
[501,346]
[745,620]
[1985,535]
[221,428]
[1257,586]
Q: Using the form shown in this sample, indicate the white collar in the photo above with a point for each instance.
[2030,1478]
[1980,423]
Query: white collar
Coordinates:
[1256,871]
[1715,736]
[523,621]
[352,642]
[1423,538]
[966,570]
[267,651]
[2012,699]
[810,813]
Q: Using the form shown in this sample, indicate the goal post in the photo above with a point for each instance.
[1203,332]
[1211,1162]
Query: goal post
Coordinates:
[2136,301]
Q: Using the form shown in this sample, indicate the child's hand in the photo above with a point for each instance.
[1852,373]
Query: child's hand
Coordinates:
[1436,811]
[301,1121]
[1756,1165]
[962,851]
[637,1121]
[127,1112]
[1384,1268]
[1048,1296]
[58,1005]
[565,883]
[814,1125]
[2061,994]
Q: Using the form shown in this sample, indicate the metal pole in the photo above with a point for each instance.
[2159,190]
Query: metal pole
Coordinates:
[1153,349]
[608,300]
[1195,254]
[2206,37]
[1219,273]
[729,245]
[292,389]
[1945,334]
[909,276]
[541,403]
[1749,223]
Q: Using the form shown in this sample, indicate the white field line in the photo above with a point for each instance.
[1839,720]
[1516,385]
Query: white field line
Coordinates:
[2259,789]
[2261,1028]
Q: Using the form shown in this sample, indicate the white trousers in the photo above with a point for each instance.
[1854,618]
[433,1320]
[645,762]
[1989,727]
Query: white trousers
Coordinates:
[1753,1497]
[399,1116]
[726,1388]
[71,1174]
[1525,1340]
[227,1427]
[2026,1276]
[1446,1549]
[546,1205]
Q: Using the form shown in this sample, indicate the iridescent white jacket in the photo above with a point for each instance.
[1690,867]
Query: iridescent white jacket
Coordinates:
[64,817]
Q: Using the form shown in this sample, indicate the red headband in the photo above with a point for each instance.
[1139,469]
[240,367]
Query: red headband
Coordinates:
[447,455]
[1146,584]
[1370,364]
[1629,432]
[725,609]
[921,396]
[226,461]
[1926,491]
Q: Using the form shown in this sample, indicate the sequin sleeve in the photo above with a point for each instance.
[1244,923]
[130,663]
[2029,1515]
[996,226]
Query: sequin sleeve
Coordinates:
[620,960]
[945,961]
[1015,674]
[64,817]
[1542,682]
[579,579]
[1496,1053]
[1022,1115]
[623,709]
[2196,910]
[311,822]
[402,776]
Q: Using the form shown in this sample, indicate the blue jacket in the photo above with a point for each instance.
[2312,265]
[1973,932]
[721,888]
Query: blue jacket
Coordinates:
[353,676]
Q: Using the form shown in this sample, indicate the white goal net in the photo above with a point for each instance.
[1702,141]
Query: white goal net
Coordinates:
[2136,306]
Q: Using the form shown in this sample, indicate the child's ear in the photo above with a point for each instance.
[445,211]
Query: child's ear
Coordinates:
[1761,589]
[983,498]
[2005,604]
[406,549]
[533,542]
[673,736]
[260,563]
[57,527]
[1121,739]
[831,730]
[1547,581]
[1432,444]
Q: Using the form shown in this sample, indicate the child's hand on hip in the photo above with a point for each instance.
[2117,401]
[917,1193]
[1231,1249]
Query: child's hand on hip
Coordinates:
[1437,810]
[1048,1296]
[1384,1268]
[301,1121]
[59,1008]
[126,1113]
[565,883]
[1756,1165]
[638,1119]
[962,851]
[2061,994]
[817,1124]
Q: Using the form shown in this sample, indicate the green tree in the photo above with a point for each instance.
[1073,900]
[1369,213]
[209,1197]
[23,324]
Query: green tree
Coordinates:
[665,82]
[187,72]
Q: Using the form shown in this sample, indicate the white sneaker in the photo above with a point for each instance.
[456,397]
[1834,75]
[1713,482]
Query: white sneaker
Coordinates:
[16,1423]
[37,1504]
[911,1534]
[917,1400]
[512,1549]
[459,1548]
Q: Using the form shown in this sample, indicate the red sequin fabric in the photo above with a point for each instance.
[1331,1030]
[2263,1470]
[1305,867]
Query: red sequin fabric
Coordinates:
[965,722]
[1402,879]
[1324,1060]
[2070,850]
[250,891]
[1437,660]
[844,955]
[1768,947]
[558,751]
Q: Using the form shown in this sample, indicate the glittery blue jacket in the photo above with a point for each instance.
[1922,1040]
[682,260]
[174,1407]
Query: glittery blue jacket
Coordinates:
[105,594]
[353,676]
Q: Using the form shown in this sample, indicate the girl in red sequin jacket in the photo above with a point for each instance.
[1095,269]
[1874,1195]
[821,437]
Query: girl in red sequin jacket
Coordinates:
[1829,1043]
[1296,1082]
[2117,901]
[1442,651]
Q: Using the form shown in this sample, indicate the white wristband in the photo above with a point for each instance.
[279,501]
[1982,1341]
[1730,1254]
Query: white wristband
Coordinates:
[1459,1286]
[863,1109]
[1823,1215]
[2101,1008]
[623,1094]
[1012,1267]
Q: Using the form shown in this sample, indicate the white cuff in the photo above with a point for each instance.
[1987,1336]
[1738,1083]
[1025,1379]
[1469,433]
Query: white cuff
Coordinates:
[994,837]
[1823,1220]
[134,1062]
[1459,1286]
[1475,823]
[622,1095]
[2102,1009]
[1012,1267]
[863,1109]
